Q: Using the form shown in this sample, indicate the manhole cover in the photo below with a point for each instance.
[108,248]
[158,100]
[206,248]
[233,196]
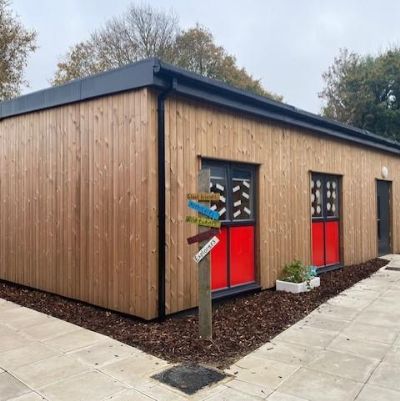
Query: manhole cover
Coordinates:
[189,378]
[396,269]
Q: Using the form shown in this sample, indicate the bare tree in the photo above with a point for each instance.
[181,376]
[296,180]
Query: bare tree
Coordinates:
[16,43]
[139,33]
[144,32]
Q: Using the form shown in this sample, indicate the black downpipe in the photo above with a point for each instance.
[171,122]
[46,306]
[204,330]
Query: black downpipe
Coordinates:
[161,197]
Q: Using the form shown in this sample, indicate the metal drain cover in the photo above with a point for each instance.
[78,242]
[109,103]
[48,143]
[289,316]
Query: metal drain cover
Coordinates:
[189,378]
[396,269]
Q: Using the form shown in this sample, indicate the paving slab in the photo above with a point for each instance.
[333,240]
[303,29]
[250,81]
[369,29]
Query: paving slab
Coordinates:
[136,369]
[74,340]
[387,375]
[18,318]
[292,354]
[88,386]
[336,312]
[129,395]
[49,371]
[375,393]
[230,394]
[383,319]
[366,349]
[261,372]
[325,323]
[316,386]
[32,396]
[33,352]
[46,330]
[308,336]
[10,387]
[278,396]
[11,341]
[253,390]
[348,366]
[106,352]
[367,332]
[393,356]
[161,392]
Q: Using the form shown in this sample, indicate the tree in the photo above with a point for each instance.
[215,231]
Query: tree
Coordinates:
[16,43]
[195,50]
[364,91]
[144,32]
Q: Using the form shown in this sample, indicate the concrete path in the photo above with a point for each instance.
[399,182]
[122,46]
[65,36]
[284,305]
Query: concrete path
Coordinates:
[348,349]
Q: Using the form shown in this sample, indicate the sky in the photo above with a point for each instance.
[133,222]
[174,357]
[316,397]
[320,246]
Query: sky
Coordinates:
[287,44]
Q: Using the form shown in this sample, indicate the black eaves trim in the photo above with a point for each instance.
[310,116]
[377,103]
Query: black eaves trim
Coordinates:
[157,74]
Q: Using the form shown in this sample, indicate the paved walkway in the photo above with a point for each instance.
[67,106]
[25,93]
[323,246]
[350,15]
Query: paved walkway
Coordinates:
[348,349]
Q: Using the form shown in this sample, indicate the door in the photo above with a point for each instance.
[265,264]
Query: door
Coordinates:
[233,260]
[383,191]
[325,220]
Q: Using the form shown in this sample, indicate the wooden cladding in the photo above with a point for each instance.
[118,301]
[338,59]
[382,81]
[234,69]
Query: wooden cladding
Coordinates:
[78,202]
[78,196]
[285,155]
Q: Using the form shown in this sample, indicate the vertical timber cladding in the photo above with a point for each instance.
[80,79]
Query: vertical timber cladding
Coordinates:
[78,192]
[286,156]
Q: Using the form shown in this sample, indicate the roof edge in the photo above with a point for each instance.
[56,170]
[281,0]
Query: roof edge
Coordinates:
[153,72]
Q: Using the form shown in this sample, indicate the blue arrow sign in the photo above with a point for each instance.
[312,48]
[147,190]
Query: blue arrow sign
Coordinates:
[206,211]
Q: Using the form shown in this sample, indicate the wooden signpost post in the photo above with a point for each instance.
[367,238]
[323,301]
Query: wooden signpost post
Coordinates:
[204,274]
[202,258]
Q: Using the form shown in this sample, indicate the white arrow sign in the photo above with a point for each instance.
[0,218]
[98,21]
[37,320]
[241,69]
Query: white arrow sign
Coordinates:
[206,249]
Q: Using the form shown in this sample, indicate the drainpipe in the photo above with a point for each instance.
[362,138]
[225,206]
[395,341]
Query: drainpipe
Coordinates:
[161,196]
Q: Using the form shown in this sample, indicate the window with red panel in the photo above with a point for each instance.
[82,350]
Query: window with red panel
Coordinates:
[233,260]
[325,214]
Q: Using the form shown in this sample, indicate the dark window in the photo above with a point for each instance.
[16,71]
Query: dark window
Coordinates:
[235,183]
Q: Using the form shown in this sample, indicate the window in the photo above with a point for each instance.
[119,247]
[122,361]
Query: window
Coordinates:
[235,184]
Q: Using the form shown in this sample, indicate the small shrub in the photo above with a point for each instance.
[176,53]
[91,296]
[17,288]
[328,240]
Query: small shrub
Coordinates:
[297,272]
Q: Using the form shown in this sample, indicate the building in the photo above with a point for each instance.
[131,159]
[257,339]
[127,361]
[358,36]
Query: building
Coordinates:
[94,176]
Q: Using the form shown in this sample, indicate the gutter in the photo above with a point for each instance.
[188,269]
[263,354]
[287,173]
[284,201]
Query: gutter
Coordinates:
[161,194]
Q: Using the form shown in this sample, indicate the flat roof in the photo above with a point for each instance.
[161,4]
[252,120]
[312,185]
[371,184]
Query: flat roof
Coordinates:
[155,73]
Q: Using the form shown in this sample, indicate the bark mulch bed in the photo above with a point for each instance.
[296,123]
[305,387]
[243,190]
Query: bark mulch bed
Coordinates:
[240,325]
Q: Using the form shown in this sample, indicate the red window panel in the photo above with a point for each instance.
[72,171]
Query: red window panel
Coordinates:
[332,253]
[241,242]
[219,262]
[318,244]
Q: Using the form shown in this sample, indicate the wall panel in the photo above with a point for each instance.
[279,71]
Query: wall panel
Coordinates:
[78,202]
[285,155]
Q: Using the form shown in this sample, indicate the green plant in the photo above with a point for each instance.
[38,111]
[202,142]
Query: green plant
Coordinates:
[296,272]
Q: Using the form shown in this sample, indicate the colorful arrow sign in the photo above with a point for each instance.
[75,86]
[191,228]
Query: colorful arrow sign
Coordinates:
[206,249]
[204,196]
[203,221]
[206,211]
[202,236]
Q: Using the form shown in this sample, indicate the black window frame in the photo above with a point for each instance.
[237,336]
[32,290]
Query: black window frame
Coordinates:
[229,167]
[324,177]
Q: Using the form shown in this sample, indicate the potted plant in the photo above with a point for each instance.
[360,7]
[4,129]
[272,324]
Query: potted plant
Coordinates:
[296,278]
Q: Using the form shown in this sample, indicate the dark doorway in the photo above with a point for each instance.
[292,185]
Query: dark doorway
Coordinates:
[383,192]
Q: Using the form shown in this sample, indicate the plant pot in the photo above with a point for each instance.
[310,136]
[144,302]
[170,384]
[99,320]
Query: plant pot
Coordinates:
[296,288]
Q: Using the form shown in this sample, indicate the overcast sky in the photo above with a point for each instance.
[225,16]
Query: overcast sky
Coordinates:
[286,43]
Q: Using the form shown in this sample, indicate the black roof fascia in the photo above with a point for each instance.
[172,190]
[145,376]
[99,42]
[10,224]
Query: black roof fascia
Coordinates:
[219,93]
[155,73]
[122,79]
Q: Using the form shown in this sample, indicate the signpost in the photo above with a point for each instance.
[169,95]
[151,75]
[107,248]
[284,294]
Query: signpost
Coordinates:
[202,257]
[203,221]
[205,250]
[205,235]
